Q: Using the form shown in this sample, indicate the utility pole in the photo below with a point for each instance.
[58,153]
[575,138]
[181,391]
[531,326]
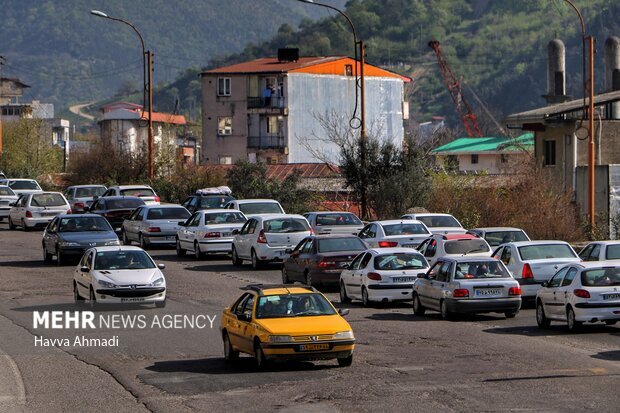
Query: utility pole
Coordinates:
[1,96]
[364,206]
[149,57]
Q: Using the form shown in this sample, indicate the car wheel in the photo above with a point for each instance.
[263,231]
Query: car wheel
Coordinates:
[77,298]
[92,299]
[235,258]
[418,308]
[143,242]
[230,354]
[308,278]
[180,251]
[197,253]
[345,361]
[11,224]
[24,226]
[365,299]
[160,304]
[256,262]
[126,240]
[445,314]
[610,322]
[285,279]
[59,259]
[510,314]
[344,298]
[259,355]
[47,257]
[541,318]
[573,325]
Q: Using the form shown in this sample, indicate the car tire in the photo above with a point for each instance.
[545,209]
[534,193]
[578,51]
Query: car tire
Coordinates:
[47,257]
[143,242]
[11,224]
[126,240]
[345,361]
[160,304]
[418,308]
[24,226]
[230,354]
[445,314]
[510,314]
[257,264]
[180,251]
[572,324]
[197,253]
[259,355]
[610,322]
[365,300]
[344,298]
[59,258]
[541,318]
[236,261]
[92,299]
[77,298]
[308,278]
[285,279]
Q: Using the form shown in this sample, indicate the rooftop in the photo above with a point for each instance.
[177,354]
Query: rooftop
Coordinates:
[490,144]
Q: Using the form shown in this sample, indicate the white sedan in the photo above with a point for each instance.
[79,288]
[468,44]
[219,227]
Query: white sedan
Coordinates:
[601,251]
[7,196]
[382,275]
[579,293]
[209,231]
[119,275]
[407,233]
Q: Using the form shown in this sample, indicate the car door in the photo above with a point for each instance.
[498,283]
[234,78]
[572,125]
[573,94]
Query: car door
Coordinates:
[246,240]
[439,286]
[595,255]
[550,296]
[50,238]
[305,256]
[292,264]
[84,280]
[367,233]
[187,205]
[192,229]
[563,293]
[505,256]
[18,213]
[351,276]
[131,226]
[246,343]
[426,285]
[184,232]
[584,254]
[430,251]
[233,325]
[360,277]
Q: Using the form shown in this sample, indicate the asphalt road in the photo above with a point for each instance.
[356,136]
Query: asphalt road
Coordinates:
[401,362]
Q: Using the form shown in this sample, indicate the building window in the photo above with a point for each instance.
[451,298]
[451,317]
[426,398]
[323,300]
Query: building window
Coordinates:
[272,125]
[224,125]
[225,160]
[474,158]
[348,70]
[549,154]
[223,86]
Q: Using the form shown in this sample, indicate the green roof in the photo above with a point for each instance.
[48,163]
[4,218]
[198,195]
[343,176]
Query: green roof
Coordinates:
[486,144]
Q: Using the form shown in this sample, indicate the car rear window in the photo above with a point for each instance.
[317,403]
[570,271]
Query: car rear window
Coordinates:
[215,218]
[337,219]
[439,221]
[261,208]
[6,191]
[89,191]
[481,269]
[123,203]
[466,246]
[496,238]
[47,200]
[27,185]
[341,244]
[601,277]
[613,252]
[404,229]
[400,261]
[285,225]
[213,202]
[168,213]
[543,251]
[83,224]
[137,192]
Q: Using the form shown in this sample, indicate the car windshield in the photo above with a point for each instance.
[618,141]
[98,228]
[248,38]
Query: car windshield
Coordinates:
[213,202]
[341,244]
[48,200]
[543,251]
[466,246]
[481,269]
[439,221]
[215,218]
[137,192]
[27,185]
[89,192]
[404,229]
[293,305]
[83,224]
[496,238]
[400,261]
[601,277]
[123,260]
[177,213]
[613,252]
[6,191]
[282,225]
[261,208]
[337,219]
[123,203]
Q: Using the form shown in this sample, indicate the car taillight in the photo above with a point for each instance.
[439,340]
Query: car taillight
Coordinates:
[514,291]
[153,229]
[312,231]
[374,276]
[460,292]
[79,204]
[28,214]
[387,244]
[527,271]
[157,199]
[261,237]
[324,264]
[213,235]
[581,293]
[68,211]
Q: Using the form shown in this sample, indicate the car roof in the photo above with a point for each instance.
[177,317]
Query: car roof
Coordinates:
[397,221]
[86,186]
[468,258]
[329,212]
[247,201]
[45,192]
[537,242]
[114,198]
[428,214]
[328,236]
[276,216]
[79,216]
[118,248]
[280,289]
[131,186]
[394,250]
[491,229]
[151,206]
[597,264]
[605,242]
[449,237]
[19,179]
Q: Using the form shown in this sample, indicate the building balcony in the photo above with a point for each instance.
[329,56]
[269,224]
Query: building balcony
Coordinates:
[266,142]
[273,105]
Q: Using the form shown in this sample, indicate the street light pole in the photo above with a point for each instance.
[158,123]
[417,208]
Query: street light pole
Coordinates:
[146,87]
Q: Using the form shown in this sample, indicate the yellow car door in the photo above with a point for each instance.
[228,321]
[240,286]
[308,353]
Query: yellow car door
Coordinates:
[244,325]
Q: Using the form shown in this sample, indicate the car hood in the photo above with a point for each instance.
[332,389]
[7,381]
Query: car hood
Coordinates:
[92,236]
[129,277]
[305,325]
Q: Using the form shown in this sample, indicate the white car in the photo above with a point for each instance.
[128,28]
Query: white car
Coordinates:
[81,196]
[500,235]
[381,275]
[601,251]
[534,262]
[334,222]
[265,238]
[580,293]
[22,186]
[110,275]
[251,207]
[37,209]
[7,196]
[209,231]
[438,223]
[453,245]
[406,233]
[153,224]
[145,192]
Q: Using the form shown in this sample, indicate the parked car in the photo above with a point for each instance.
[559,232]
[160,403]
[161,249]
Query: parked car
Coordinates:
[71,235]
[381,274]
[438,223]
[7,197]
[195,203]
[116,209]
[80,196]
[265,238]
[601,251]
[209,232]
[22,186]
[500,235]
[467,285]
[586,292]
[37,209]
[122,274]
[319,259]
[251,207]
[407,233]
[153,224]
[145,192]
[533,262]
[286,322]
[453,245]
[333,222]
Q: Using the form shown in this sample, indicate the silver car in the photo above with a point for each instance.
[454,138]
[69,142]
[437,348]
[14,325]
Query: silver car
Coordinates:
[22,186]
[438,223]
[406,233]
[37,209]
[7,196]
[334,222]
[601,251]
[153,224]
[80,196]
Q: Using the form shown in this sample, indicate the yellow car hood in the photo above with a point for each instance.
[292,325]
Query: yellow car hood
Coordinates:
[297,326]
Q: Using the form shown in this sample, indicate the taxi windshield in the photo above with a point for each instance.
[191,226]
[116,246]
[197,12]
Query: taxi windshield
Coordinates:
[293,305]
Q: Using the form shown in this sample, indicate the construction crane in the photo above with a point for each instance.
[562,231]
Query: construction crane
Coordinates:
[456,93]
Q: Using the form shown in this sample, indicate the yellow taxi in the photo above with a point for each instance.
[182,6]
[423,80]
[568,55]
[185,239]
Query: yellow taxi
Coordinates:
[286,322]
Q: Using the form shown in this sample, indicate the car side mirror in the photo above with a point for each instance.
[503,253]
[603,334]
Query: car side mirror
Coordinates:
[288,251]
[244,317]
[12,204]
[545,284]
[235,232]
[84,269]
[422,275]
[343,311]
[161,266]
[181,223]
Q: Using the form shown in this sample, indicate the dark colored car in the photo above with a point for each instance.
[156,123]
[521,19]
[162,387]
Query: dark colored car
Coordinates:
[116,209]
[70,234]
[195,203]
[319,259]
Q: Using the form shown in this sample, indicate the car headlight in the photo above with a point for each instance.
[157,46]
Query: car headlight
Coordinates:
[69,244]
[344,335]
[106,284]
[157,282]
[280,339]
[112,243]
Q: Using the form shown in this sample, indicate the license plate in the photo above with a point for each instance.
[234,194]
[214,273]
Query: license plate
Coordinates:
[485,292]
[409,245]
[131,300]
[313,347]
[403,279]
[227,234]
[611,297]
[49,214]
[170,238]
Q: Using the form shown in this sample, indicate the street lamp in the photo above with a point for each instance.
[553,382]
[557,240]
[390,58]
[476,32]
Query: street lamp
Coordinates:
[147,80]
[356,122]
